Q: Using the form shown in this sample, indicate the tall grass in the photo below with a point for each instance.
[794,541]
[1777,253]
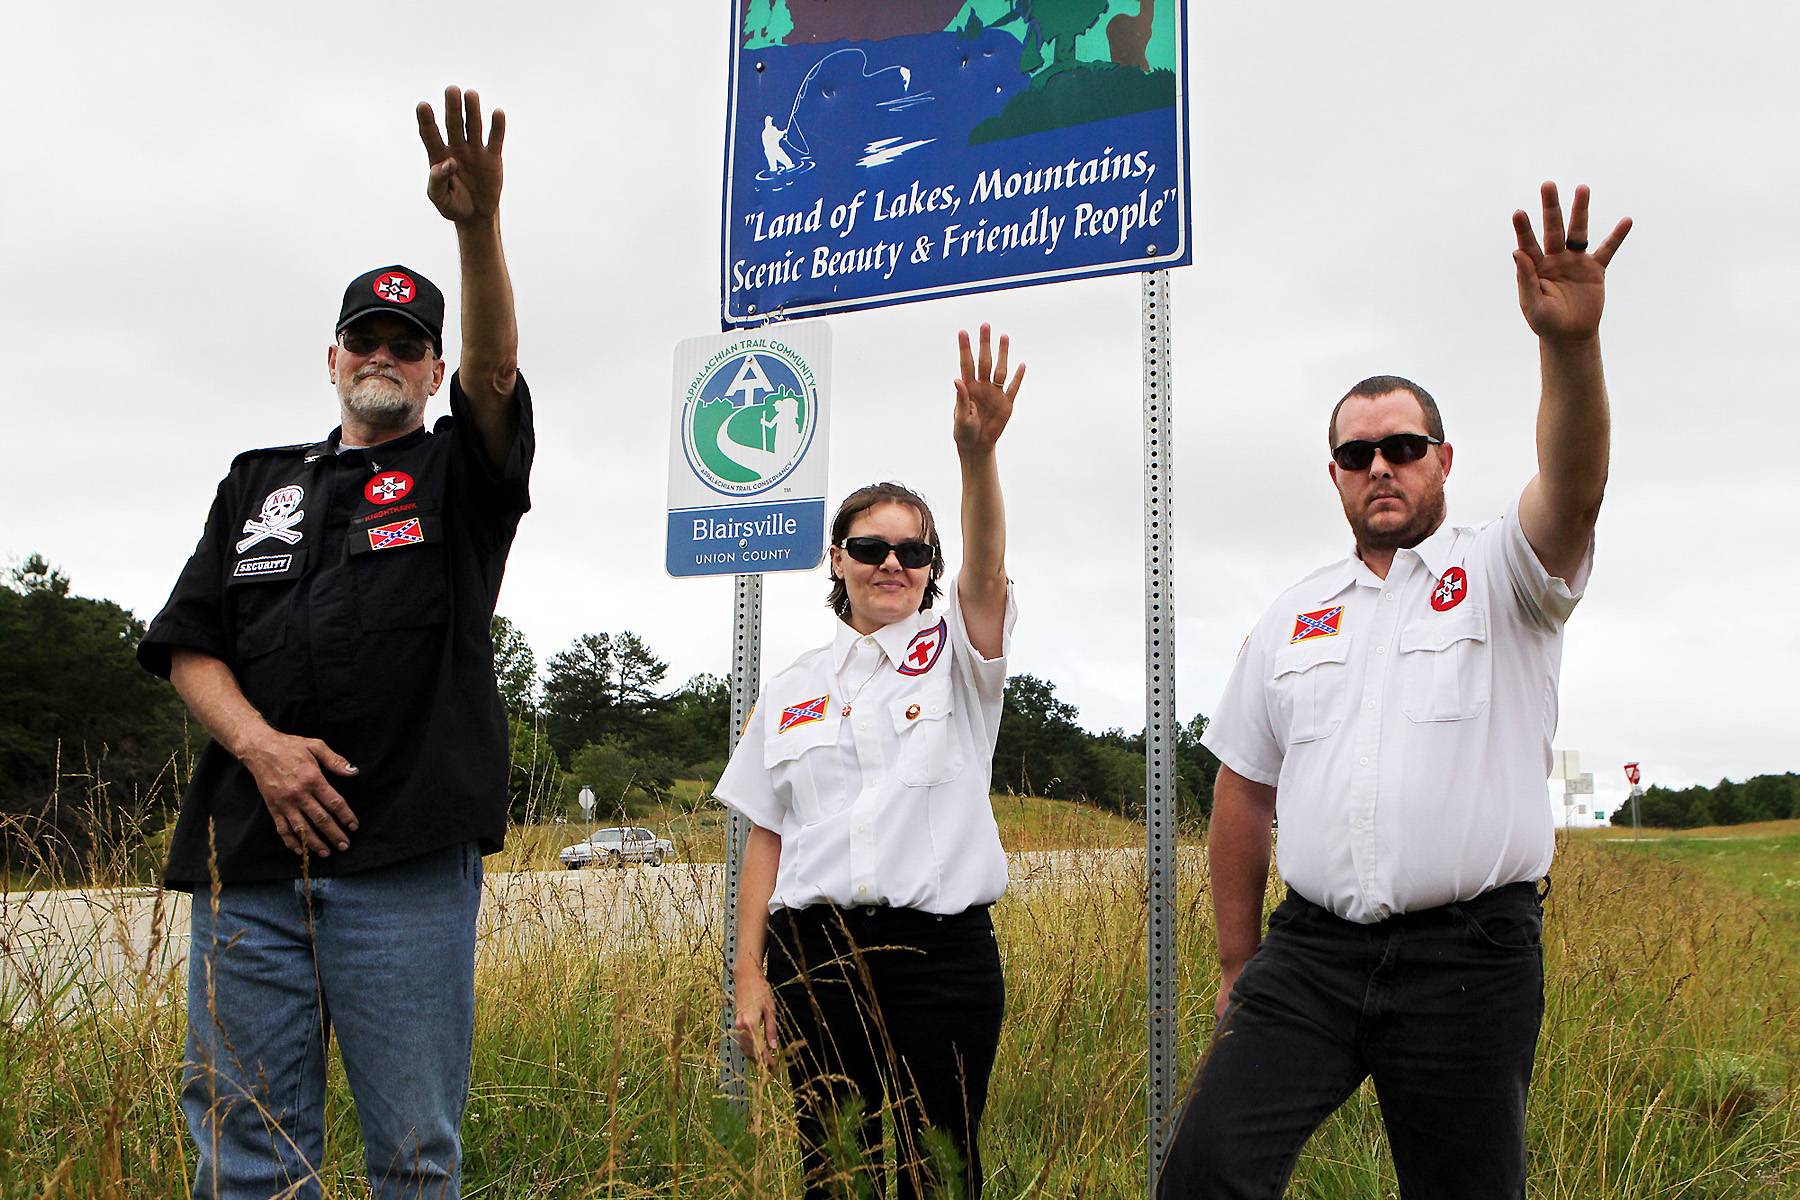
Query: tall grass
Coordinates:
[1667,1066]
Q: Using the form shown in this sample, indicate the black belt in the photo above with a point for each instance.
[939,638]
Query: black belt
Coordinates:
[1500,897]
[876,916]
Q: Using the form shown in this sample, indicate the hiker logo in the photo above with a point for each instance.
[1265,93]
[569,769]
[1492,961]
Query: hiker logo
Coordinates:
[749,418]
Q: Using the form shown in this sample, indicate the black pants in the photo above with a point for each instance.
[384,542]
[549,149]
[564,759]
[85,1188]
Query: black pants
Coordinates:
[1441,1007]
[898,1008]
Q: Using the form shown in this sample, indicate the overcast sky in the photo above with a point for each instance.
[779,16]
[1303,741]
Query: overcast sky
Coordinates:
[187,188]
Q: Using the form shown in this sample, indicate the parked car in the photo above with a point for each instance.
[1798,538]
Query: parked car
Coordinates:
[617,846]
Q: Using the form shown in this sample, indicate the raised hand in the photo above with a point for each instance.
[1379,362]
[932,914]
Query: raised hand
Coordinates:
[984,398]
[465,170]
[1562,287]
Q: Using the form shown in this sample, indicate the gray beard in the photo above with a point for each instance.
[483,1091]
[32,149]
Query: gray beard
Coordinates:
[381,403]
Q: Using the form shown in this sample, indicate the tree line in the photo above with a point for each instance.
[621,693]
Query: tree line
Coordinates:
[94,751]
[1761,798]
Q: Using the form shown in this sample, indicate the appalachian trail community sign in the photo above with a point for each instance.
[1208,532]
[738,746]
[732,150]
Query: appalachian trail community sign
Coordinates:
[879,152]
[747,459]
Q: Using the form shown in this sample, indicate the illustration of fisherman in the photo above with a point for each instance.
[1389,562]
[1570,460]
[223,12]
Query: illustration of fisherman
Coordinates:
[772,135]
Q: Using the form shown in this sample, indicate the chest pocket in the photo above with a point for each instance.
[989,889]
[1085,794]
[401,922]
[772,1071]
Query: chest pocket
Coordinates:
[1447,666]
[803,766]
[400,571]
[260,588]
[1311,686]
[928,755]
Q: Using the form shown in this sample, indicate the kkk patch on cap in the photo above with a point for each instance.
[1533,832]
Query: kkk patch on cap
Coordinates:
[396,288]
[1450,589]
[803,713]
[1320,624]
[387,487]
[399,291]
[399,533]
[922,652]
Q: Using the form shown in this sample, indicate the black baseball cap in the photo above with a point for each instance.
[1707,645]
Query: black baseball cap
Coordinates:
[396,291]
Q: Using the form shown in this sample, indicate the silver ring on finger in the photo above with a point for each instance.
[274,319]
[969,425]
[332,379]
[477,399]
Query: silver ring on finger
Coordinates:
[1579,247]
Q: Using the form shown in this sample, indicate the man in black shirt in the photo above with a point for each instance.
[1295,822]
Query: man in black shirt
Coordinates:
[331,631]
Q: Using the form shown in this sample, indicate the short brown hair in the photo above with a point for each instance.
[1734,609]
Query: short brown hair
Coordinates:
[861,501]
[1381,385]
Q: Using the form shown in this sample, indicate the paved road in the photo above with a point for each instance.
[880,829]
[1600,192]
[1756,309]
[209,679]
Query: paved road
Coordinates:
[98,951]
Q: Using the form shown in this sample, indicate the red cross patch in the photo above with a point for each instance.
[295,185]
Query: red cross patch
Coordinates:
[387,487]
[396,288]
[922,652]
[401,533]
[803,713]
[1450,589]
[1323,623]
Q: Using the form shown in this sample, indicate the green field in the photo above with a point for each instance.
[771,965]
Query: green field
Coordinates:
[1760,860]
[1667,1068]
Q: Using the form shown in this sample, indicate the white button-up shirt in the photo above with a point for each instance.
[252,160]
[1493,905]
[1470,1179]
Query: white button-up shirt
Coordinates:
[872,757]
[1406,722]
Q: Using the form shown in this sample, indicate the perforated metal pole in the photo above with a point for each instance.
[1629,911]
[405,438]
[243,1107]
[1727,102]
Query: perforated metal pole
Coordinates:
[746,678]
[1159,721]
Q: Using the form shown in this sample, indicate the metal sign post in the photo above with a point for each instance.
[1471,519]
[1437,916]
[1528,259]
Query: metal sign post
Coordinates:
[747,477]
[746,679]
[1159,721]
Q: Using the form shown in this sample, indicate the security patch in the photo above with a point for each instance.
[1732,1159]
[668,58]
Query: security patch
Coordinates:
[803,713]
[268,564]
[399,533]
[1321,624]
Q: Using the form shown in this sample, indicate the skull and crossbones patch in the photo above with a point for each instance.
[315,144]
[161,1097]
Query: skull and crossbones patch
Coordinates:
[281,511]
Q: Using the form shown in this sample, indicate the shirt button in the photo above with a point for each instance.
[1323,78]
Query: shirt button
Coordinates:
[1363,761]
[863,890]
[861,828]
[1387,595]
[1381,649]
[1371,706]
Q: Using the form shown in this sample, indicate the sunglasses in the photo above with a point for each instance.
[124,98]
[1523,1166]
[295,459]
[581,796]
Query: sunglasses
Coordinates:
[873,551]
[406,349]
[1397,448]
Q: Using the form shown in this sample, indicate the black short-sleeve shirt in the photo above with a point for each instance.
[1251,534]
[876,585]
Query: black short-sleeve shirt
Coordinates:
[351,593]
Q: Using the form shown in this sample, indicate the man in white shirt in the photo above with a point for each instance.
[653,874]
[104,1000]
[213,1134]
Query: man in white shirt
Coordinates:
[1395,711]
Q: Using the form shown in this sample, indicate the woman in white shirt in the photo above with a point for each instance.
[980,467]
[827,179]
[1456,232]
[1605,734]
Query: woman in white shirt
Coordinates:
[873,854]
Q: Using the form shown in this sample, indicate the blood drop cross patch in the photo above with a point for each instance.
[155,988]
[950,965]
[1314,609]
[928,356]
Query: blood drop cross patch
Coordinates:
[1450,589]
[1323,623]
[387,487]
[396,288]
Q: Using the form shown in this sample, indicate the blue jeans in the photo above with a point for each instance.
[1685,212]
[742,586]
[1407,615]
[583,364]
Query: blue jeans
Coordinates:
[1441,1007]
[384,957]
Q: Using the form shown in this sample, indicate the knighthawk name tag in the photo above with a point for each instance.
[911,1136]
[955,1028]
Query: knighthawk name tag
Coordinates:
[268,564]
